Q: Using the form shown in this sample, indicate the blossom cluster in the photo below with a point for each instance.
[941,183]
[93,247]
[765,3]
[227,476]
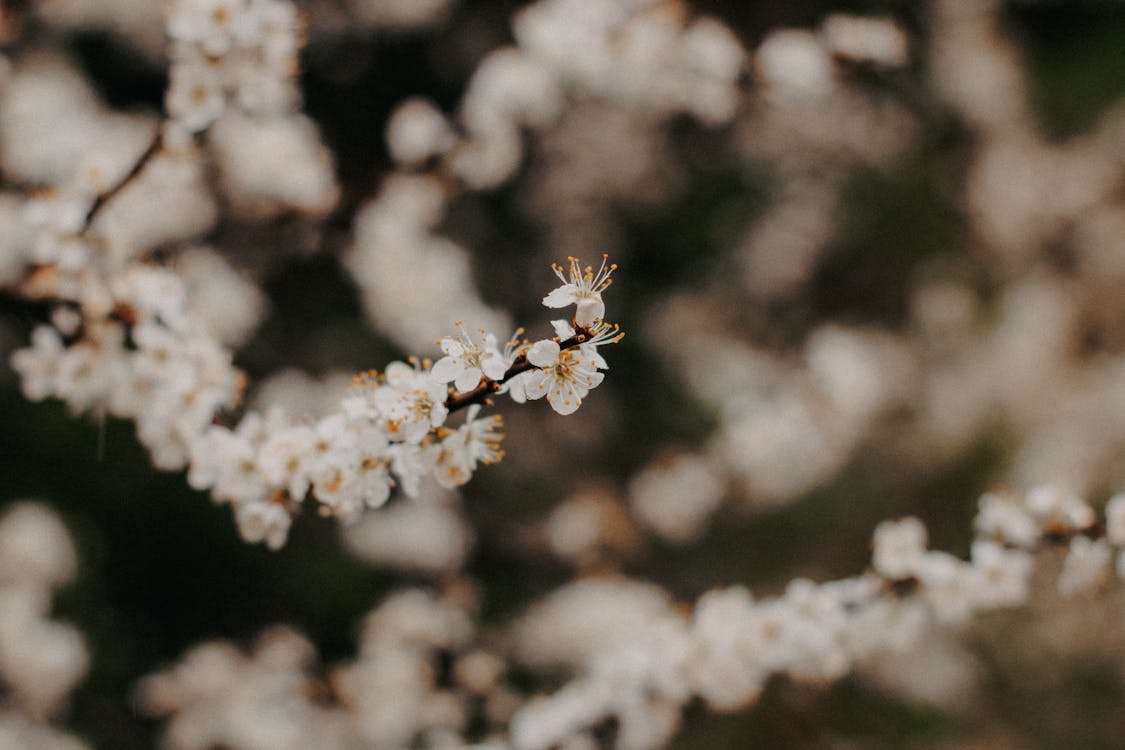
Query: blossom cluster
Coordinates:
[149,359]
[640,657]
[243,51]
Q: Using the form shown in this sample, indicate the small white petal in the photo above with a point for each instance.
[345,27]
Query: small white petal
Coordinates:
[536,385]
[589,309]
[543,353]
[467,380]
[560,297]
[564,399]
[562,329]
[452,347]
[446,369]
[493,366]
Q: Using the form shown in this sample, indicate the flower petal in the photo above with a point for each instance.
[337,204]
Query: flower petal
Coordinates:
[536,385]
[564,399]
[543,353]
[590,308]
[560,297]
[446,369]
[467,379]
[562,328]
[493,366]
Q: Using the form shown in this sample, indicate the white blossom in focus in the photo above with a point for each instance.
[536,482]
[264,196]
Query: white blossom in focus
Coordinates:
[466,360]
[565,376]
[584,289]
[457,455]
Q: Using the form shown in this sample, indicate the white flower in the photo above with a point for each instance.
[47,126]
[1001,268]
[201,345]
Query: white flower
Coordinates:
[466,360]
[286,457]
[195,97]
[584,289]
[946,586]
[478,440]
[410,402]
[1005,518]
[38,364]
[208,23]
[272,27]
[1086,565]
[1058,509]
[1002,576]
[899,546]
[564,376]
[371,477]
[263,521]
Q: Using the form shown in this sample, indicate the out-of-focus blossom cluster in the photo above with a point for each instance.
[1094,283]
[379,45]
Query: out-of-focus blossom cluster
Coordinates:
[395,693]
[638,656]
[41,660]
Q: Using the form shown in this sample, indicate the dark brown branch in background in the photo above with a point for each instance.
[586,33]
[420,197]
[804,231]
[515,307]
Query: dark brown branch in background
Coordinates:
[104,198]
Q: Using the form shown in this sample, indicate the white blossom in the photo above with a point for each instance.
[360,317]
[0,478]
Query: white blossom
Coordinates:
[583,289]
[466,360]
[565,376]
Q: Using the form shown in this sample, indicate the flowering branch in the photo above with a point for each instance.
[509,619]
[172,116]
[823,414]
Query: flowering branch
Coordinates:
[138,352]
[520,365]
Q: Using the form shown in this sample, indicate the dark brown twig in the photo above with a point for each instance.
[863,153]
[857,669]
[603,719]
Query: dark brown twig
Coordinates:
[104,198]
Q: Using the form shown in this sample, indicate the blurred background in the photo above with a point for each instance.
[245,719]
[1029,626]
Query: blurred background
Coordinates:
[875,272]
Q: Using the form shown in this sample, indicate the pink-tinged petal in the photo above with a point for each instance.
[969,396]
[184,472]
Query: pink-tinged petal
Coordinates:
[590,308]
[468,379]
[446,369]
[564,399]
[560,297]
[543,353]
[537,385]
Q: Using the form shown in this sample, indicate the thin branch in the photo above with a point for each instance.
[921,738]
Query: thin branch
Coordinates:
[104,198]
